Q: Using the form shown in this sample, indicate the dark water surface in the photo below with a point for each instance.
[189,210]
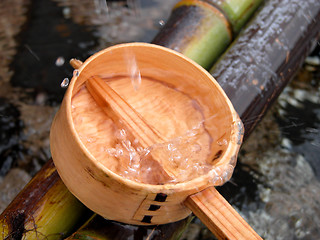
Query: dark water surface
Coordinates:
[276,182]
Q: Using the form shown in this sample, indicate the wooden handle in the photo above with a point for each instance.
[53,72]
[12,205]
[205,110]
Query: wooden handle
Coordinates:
[219,216]
[119,110]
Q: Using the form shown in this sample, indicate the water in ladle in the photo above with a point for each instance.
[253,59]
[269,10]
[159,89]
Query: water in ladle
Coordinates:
[174,114]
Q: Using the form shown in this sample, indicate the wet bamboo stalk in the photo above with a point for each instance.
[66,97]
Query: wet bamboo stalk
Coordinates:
[266,55]
[202,30]
[44,209]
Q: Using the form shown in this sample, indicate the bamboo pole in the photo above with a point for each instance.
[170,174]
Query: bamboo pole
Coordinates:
[202,30]
[266,55]
[269,65]
[43,209]
[237,12]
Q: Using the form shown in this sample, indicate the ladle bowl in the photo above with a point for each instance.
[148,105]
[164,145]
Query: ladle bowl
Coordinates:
[115,197]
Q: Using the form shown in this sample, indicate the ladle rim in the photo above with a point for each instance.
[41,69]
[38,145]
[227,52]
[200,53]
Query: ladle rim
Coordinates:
[200,182]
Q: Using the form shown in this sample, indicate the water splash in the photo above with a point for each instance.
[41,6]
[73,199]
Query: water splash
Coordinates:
[184,153]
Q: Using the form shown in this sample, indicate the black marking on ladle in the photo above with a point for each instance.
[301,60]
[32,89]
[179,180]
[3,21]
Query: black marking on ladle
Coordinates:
[154,207]
[147,219]
[161,197]
[217,155]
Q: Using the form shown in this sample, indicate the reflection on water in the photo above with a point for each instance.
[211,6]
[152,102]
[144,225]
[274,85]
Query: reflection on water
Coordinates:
[275,187]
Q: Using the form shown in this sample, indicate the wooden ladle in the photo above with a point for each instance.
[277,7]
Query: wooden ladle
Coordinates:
[212,209]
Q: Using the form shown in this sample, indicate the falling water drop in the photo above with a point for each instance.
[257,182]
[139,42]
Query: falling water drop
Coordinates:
[65,83]
[60,61]
[133,70]
[161,22]
[136,80]
[101,7]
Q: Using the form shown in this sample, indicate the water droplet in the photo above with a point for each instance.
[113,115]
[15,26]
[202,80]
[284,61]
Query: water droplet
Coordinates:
[90,139]
[60,61]
[171,147]
[176,49]
[136,80]
[192,133]
[66,12]
[161,23]
[132,155]
[126,144]
[101,7]
[222,142]
[196,148]
[140,149]
[119,152]
[76,73]
[184,164]
[121,134]
[65,83]
[133,70]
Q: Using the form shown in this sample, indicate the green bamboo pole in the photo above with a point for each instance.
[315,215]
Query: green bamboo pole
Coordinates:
[45,208]
[237,12]
[202,30]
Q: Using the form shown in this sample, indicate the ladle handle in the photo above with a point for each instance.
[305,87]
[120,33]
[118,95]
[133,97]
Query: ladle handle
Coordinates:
[219,216]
